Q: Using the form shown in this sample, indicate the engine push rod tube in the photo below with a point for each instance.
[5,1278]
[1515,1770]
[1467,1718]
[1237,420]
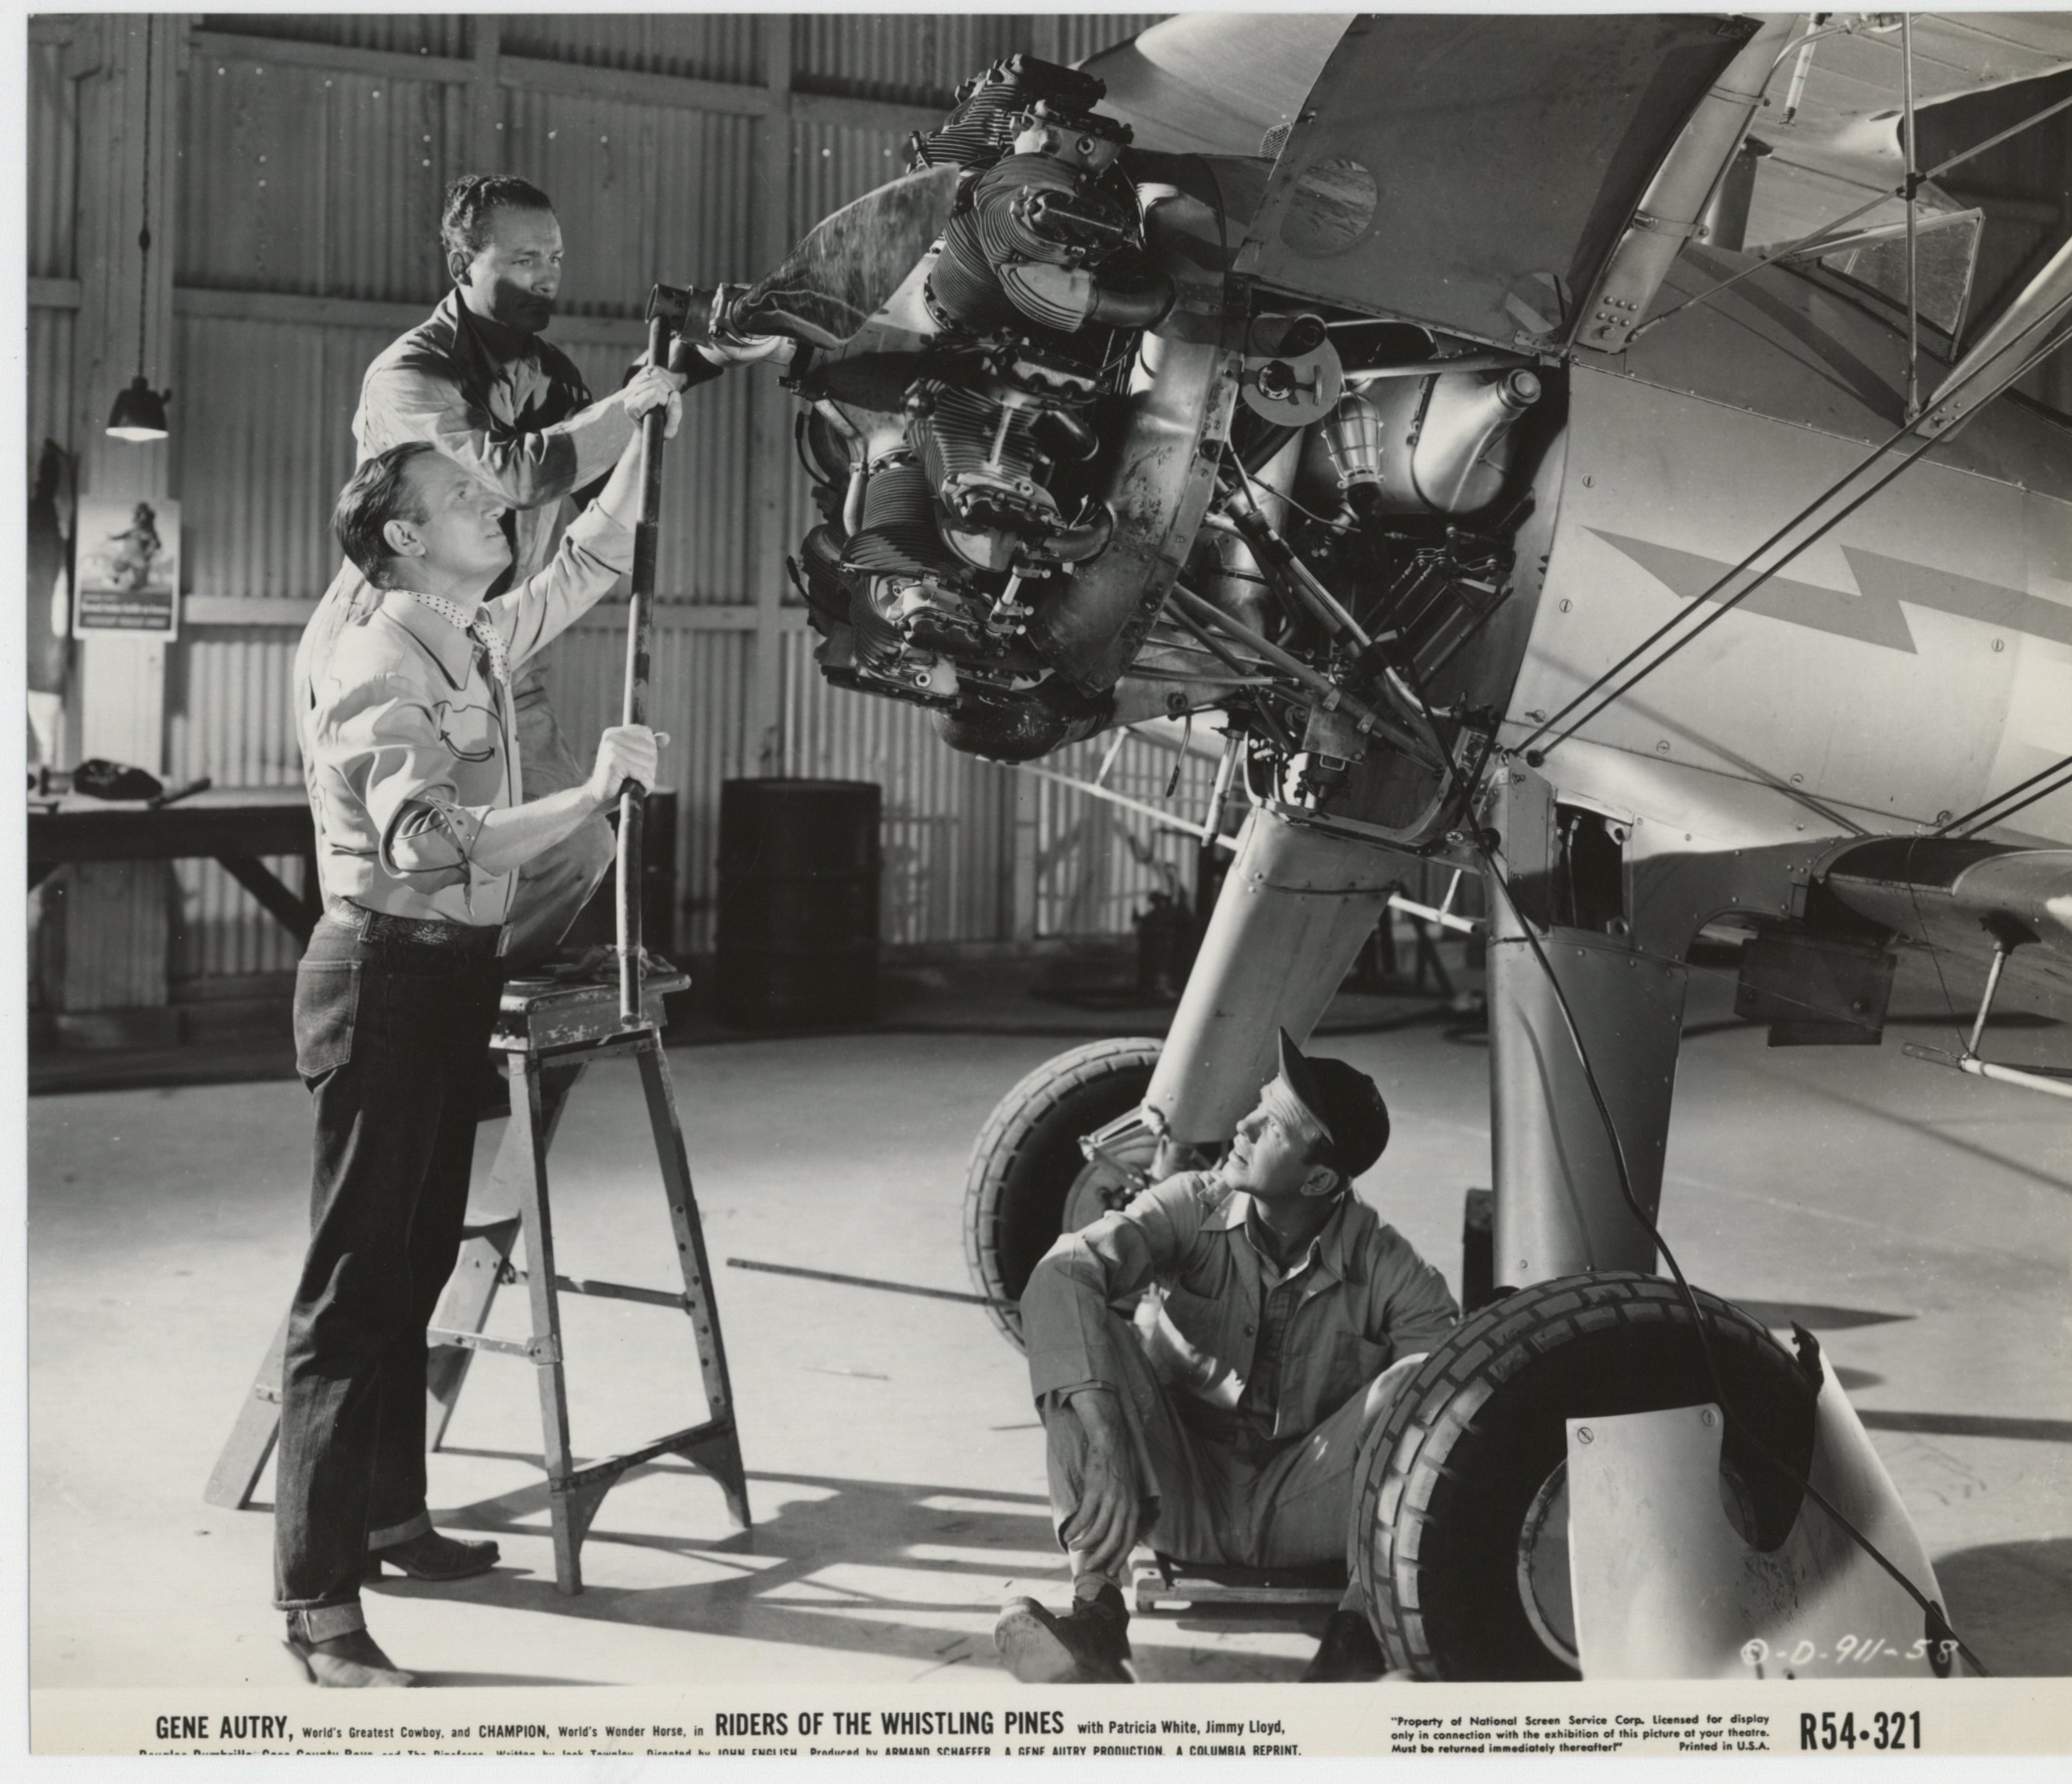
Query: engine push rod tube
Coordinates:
[1364,717]
[1275,553]
[639,631]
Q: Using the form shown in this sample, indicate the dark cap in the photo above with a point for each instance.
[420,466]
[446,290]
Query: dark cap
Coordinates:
[1345,1103]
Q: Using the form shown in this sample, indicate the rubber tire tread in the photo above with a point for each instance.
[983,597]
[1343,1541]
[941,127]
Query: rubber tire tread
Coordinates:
[1027,1156]
[1435,1563]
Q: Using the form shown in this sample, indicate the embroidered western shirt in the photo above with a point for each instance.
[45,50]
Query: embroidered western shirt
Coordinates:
[407,735]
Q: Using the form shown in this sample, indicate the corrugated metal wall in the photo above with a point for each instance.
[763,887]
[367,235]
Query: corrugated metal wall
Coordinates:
[948,849]
[54,164]
[707,482]
[50,334]
[265,443]
[704,46]
[699,686]
[1097,864]
[308,194]
[407,34]
[312,180]
[916,58]
[657,194]
[227,716]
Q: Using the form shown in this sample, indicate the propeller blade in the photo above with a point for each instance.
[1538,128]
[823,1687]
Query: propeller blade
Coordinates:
[841,274]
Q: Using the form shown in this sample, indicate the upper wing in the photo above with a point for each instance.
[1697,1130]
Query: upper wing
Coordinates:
[1475,172]
[1216,82]
[1839,143]
[1831,144]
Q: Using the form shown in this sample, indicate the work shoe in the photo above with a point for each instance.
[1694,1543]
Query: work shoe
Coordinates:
[1088,1645]
[428,1555]
[1348,1652]
[351,1662]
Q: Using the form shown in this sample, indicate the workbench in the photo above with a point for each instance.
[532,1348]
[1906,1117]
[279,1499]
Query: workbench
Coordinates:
[239,826]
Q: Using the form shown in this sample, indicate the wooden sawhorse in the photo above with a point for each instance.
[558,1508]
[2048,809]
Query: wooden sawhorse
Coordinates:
[554,1032]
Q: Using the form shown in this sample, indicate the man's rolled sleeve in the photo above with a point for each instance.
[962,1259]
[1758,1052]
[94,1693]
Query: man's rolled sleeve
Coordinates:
[386,746]
[595,552]
[432,836]
[1065,1307]
[526,467]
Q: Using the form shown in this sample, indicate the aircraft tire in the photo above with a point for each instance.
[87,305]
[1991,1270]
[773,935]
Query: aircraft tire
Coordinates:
[1448,1508]
[1026,1166]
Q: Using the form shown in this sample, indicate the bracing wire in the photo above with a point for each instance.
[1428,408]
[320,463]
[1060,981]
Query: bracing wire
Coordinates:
[1976,819]
[1720,609]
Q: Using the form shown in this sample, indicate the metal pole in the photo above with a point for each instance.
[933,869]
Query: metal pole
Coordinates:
[640,622]
[1913,182]
[1986,1002]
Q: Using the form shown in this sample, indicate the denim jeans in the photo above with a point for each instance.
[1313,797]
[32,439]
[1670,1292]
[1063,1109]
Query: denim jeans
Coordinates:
[389,1037]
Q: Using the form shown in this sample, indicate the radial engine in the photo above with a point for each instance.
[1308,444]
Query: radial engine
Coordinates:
[1077,471]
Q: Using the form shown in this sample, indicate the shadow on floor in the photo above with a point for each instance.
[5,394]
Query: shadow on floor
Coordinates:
[2014,1602]
[763,1583]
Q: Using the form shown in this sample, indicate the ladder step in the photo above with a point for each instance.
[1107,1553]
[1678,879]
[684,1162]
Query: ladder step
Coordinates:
[533,1349]
[610,1291]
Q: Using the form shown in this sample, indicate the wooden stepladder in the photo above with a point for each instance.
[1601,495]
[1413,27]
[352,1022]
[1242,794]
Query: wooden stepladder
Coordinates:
[554,1033]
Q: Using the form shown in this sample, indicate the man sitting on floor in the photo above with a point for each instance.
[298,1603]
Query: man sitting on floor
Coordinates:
[1228,1432]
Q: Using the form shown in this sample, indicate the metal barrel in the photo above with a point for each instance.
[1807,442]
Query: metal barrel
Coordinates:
[799,867]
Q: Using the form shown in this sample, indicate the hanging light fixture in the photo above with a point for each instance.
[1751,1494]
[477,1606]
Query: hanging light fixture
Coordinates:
[139,412]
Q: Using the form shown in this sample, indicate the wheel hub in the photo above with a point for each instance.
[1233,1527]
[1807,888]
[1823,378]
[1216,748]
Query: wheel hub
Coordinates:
[1542,1568]
[1544,1588]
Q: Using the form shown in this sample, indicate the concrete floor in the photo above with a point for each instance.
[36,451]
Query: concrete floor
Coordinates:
[1919,1222]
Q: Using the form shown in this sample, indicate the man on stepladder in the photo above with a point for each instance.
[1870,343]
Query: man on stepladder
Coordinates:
[406,719]
[477,380]
[1225,1429]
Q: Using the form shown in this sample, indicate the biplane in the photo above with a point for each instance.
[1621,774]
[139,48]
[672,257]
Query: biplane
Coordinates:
[1582,451]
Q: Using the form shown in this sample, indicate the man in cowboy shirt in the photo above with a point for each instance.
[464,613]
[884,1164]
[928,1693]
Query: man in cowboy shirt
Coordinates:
[1227,1430]
[478,380]
[426,815]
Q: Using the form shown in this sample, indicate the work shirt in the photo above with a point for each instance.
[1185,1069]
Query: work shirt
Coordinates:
[511,408]
[1250,1349]
[407,738]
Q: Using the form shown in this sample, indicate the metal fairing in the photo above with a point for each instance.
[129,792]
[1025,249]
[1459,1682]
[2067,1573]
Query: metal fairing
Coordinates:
[1512,150]
[1664,1587]
[1901,669]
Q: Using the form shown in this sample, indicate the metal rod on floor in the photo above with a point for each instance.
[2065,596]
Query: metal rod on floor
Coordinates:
[868,1282]
[1976,1067]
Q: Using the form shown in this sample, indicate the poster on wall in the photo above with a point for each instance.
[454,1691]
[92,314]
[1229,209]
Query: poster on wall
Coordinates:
[128,568]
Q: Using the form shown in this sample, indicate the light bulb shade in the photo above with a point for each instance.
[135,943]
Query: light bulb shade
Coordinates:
[139,412]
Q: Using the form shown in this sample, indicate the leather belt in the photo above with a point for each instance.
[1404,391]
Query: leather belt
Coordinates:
[383,926]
